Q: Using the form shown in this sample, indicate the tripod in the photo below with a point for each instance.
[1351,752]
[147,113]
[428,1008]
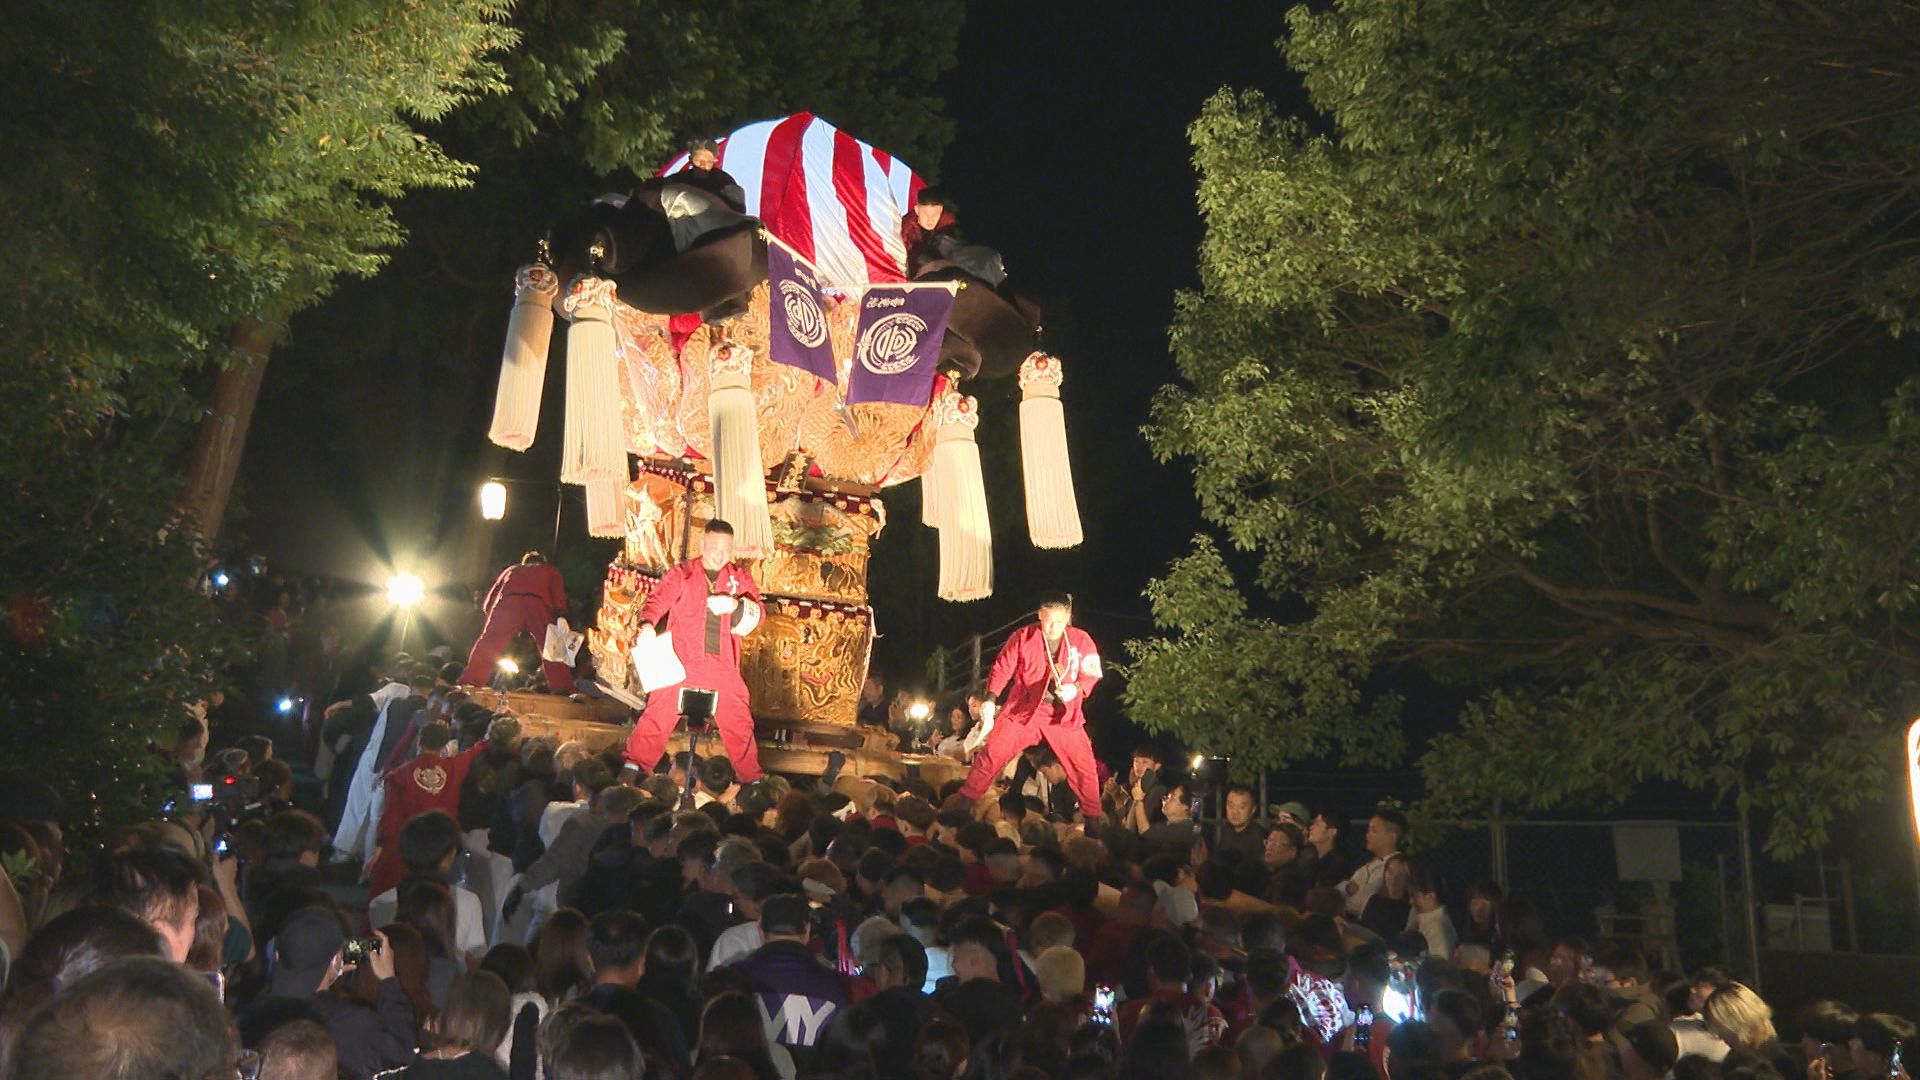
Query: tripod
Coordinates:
[696,713]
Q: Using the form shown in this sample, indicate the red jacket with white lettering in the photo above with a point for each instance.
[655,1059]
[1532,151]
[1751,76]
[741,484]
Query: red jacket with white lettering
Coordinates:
[1023,662]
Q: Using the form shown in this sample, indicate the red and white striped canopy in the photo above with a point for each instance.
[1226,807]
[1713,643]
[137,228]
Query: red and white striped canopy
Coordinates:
[829,196]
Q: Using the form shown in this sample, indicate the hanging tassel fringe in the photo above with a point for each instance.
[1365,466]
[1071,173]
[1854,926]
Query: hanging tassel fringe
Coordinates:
[930,497]
[592,447]
[966,536]
[739,476]
[1053,514]
[523,364]
[603,509]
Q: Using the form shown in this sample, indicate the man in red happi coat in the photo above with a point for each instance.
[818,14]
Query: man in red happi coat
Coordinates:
[525,597]
[430,781]
[708,605]
[1051,666]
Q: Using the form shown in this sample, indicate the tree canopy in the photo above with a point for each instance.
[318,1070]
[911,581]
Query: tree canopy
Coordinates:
[1560,361]
[187,177]
[178,168]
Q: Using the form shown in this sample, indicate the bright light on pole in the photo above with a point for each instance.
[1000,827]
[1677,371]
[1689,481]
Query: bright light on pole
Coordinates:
[404,590]
[1913,772]
[919,711]
[493,500]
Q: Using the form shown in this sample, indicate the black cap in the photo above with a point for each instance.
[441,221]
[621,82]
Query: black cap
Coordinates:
[304,950]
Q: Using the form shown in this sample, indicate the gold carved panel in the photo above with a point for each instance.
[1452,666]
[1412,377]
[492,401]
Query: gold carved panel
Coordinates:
[806,662]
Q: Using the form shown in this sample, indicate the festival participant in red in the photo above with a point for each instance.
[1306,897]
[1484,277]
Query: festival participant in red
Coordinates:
[931,232]
[708,604]
[431,781]
[525,597]
[1051,667]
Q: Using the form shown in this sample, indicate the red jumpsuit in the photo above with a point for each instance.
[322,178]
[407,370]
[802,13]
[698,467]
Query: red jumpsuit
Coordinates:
[529,598]
[1027,717]
[427,782]
[709,648]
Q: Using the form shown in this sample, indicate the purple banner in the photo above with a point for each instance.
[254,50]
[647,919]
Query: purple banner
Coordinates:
[798,322]
[897,347]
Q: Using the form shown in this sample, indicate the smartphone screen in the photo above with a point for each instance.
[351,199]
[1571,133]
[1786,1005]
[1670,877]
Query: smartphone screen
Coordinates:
[203,793]
[1103,1004]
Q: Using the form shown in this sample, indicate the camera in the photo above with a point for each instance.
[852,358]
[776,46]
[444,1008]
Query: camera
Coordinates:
[357,949]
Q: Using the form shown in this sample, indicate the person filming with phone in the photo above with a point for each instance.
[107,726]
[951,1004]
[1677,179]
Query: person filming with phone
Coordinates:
[310,955]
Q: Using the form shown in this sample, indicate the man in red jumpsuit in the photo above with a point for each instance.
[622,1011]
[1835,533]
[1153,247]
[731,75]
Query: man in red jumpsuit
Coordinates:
[430,781]
[1052,666]
[708,604]
[525,597]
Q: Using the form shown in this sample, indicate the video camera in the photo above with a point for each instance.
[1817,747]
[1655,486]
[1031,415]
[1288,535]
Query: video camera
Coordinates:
[229,801]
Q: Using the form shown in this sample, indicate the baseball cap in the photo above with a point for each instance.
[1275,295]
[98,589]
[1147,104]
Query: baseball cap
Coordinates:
[304,951]
[1296,810]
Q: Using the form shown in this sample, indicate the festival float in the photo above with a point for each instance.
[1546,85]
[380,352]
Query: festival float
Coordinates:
[766,358]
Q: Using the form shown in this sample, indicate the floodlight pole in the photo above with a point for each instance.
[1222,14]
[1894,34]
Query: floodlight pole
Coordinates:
[1750,901]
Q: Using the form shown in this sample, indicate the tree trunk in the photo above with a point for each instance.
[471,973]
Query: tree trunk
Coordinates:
[222,435]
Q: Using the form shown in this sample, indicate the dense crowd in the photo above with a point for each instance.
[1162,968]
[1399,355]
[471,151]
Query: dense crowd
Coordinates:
[464,899]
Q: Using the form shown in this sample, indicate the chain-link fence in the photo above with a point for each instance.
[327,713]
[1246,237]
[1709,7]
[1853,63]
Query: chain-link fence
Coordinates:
[1675,887]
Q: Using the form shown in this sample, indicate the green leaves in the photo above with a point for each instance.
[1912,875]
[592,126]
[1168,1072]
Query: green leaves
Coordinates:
[1558,363]
[178,167]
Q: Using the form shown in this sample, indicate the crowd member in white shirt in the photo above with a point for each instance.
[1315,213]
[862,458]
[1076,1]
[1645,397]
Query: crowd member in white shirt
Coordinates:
[1385,830]
[430,845]
[1429,915]
[354,837]
[748,884]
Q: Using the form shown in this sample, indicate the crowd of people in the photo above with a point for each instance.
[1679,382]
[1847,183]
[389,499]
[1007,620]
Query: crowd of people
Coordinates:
[488,903]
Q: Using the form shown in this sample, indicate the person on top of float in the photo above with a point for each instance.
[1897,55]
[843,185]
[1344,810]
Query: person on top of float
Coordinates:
[708,604]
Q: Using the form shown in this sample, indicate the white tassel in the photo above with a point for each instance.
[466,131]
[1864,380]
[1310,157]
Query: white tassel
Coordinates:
[966,535]
[604,518]
[1053,514]
[523,364]
[592,447]
[930,497]
[739,477]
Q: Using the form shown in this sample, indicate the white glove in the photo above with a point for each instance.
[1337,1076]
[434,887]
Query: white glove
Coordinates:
[988,710]
[646,631]
[1068,693]
[721,604]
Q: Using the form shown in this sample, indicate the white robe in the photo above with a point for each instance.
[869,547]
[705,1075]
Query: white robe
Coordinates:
[353,839]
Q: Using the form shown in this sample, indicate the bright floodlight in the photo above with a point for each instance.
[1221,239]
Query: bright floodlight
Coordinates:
[508,667]
[220,579]
[286,705]
[1199,760]
[493,500]
[1913,771]
[919,710]
[404,590]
